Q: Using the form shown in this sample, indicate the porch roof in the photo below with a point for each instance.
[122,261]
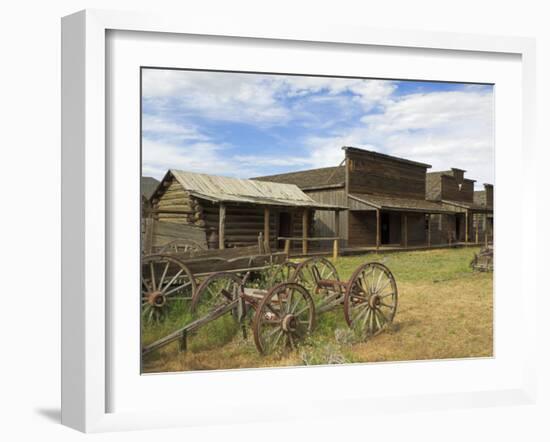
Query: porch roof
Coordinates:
[363,201]
[471,206]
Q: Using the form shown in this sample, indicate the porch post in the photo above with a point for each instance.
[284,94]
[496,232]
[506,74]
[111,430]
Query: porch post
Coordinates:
[486,231]
[266,229]
[466,233]
[377,229]
[406,238]
[336,245]
[429,229]
[477,228]
[304,231]
[221,228]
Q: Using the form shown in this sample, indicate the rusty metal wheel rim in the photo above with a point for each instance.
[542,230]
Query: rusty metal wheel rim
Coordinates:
[164,282]
[370,301]
[283,318]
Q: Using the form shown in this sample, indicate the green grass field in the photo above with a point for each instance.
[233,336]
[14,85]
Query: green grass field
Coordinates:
[445,311]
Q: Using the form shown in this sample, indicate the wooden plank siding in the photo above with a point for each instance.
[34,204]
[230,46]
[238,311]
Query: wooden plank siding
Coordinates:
[374,174]
[452,191]
[323,223]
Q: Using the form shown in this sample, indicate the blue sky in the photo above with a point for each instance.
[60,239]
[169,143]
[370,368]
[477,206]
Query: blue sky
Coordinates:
[246,125]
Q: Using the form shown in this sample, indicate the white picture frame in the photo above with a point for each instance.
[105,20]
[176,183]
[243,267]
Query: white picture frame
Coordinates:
[86,200]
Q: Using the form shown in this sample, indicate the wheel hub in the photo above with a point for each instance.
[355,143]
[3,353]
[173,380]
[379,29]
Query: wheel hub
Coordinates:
[156,299]
[289,323]
[374,301]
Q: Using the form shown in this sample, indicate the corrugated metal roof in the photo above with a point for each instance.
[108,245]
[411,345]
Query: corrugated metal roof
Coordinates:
[224,189]
[399,204]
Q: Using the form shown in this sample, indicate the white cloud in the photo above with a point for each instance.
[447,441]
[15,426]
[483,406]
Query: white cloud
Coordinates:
[228,97]
[444,129]
[252,98]
[166,128]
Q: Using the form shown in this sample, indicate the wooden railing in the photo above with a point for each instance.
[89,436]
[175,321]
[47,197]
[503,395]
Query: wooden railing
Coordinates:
[288,241]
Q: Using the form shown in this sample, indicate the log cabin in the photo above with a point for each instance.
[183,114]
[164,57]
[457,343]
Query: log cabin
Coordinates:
[385,196]
[469,220]
[232,212]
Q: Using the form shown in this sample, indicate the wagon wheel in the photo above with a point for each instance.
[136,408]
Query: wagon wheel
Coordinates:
[181,245]
[281,273]
[165,284]
[284,317]
[370,301]
[217,291]
[311,273]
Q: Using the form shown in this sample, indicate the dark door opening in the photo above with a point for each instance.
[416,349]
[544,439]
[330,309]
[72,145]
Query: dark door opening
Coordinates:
[458,226]
[285,227]
[384,228]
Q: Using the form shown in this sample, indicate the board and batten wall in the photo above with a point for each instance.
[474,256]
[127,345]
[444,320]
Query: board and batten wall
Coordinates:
[324,221]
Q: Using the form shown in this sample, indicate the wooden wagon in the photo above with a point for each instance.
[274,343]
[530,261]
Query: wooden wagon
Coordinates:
[171,275]
[286,313]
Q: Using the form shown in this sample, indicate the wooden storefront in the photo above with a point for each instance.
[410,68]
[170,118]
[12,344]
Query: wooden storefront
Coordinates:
[472,211]
[385,197]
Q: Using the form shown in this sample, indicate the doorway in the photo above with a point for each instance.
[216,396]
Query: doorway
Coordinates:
[285,227]
[384,228]
[458,226]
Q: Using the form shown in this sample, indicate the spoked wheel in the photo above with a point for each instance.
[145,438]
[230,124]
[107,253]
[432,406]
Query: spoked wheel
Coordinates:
[216,292]
[181,245]
[370,301]
[281,273]
[165,284]
[283,318]
[320,278]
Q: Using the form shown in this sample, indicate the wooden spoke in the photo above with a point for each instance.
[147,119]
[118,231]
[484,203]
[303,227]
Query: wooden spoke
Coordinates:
[296,318]
[156,299]
[216,291]
[281,273]
[174,278]
[164,274]
[311,273]
[153,279]
[368,285]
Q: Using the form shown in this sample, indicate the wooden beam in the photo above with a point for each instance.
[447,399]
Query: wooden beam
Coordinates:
[266,230]
[336,245]
[377,229]
[304,231]
[477,229]
[221,229]
[429,229]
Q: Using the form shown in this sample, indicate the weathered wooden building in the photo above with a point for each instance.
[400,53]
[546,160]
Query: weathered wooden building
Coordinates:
[468,221]
[148,186]
[385,197]
[231,212]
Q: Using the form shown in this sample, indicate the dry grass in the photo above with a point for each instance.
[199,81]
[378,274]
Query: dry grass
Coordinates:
[445,311]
